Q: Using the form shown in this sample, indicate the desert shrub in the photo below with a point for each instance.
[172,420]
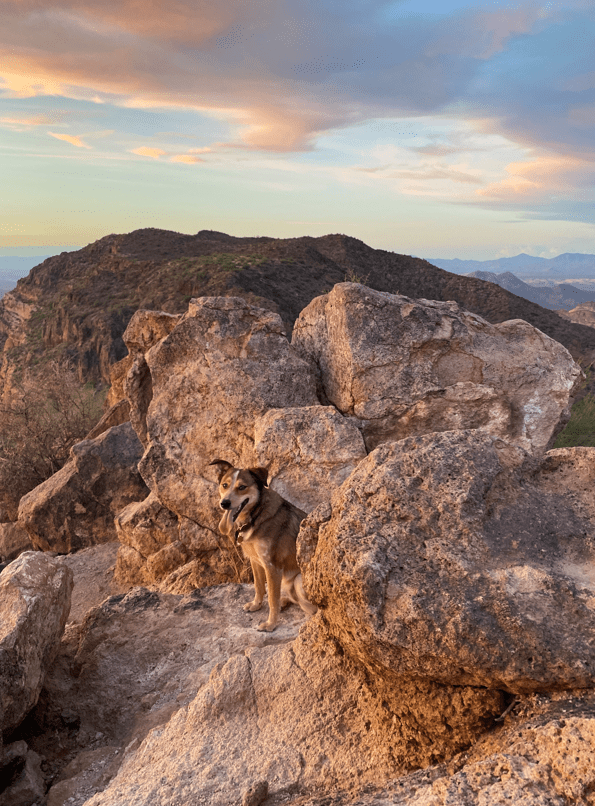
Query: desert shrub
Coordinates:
[47,412]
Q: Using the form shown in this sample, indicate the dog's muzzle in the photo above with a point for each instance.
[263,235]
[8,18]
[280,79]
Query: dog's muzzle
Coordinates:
[225,504]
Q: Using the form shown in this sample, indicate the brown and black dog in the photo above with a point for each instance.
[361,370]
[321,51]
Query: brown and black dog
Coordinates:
[266,526]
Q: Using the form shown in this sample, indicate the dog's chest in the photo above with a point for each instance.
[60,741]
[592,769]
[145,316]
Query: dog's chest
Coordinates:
[254,548]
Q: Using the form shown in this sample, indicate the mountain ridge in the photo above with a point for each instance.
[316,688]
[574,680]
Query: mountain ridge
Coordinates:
[75,306]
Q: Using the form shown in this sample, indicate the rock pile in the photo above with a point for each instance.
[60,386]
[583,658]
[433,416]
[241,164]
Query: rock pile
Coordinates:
[448,551]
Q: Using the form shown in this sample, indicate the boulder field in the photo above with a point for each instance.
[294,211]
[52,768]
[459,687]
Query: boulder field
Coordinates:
[449,549]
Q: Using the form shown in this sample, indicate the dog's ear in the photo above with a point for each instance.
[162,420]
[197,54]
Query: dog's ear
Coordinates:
[222,467]
[261,475]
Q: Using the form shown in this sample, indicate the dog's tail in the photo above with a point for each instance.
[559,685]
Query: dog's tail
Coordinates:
[295,593]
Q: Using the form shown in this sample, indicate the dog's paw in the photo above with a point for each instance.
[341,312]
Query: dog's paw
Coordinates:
[252,606]
[284,602]
[266,626]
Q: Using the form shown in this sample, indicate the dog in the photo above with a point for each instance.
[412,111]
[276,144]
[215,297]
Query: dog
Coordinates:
[266,526]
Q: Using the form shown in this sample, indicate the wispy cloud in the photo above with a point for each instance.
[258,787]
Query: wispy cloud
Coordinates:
[146,151]
[189,159]
[69,138]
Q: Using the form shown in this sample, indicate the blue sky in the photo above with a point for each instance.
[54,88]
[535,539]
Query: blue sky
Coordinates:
[440,129]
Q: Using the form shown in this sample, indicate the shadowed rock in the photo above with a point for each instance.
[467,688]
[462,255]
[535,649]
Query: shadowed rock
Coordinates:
[35,594]
[76,506]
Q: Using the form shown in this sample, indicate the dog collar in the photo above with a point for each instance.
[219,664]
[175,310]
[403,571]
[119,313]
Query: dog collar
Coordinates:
[253,515]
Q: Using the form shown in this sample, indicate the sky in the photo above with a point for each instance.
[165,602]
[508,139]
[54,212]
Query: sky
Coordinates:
[437,128]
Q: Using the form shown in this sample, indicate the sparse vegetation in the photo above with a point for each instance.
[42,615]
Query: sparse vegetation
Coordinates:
[48,412]
[352,276]
[580,430]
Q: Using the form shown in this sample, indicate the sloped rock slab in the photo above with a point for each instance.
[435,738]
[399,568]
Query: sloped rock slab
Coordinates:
[411,366]
[445,556]
[35,594]
[300,719]
[75,507]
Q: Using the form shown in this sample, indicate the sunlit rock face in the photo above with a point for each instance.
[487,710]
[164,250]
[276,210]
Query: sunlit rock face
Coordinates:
[224,365]
[409,366]
[457,557]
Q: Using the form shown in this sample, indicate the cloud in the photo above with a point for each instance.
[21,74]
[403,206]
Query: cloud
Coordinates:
[280,73]
[538,177]
[146,151]
[432,174]
[189,159]
[69,138]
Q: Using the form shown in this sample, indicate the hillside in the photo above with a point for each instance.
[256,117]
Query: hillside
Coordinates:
[76,305]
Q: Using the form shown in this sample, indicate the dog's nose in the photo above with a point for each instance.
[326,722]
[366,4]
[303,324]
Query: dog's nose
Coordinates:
[225,504]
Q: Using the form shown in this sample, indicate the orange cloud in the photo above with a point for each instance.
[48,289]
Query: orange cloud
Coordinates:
[145,151]
[187,158]
[543,175]
[69,138]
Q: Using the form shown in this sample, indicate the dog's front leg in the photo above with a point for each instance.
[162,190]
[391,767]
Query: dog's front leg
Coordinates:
[259,580]
[273,576]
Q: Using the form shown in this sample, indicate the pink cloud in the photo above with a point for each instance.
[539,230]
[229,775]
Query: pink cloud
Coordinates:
[146,151]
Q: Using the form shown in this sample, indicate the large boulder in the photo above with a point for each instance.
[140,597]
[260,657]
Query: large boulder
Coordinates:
[309,452]
[76,506]
[224,365]
[406,366]
[145,329]
[35,594]
[455,557]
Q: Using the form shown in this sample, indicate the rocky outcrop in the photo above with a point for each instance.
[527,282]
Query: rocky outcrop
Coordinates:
[21,776]
[405,366]
[144,330]
[583,314]
[162,648]
[448,557]
[76,506]
[309,452]
[35,594]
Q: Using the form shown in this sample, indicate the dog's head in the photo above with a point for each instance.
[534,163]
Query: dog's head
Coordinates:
[239,492]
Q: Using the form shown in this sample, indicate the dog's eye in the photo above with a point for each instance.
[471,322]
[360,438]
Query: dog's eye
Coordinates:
[225,486]
[242,487]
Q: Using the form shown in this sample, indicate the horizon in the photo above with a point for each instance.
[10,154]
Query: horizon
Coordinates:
[427,127]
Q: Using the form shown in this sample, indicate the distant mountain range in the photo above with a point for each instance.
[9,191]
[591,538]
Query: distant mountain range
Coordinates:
[563,267]
[561,296]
